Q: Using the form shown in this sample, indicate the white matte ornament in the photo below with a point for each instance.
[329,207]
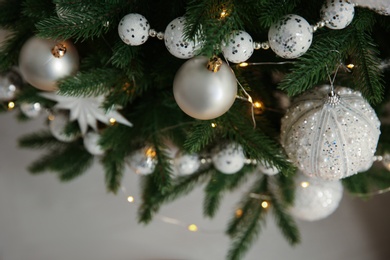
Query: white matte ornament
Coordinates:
[133,29]
[338,13]
[290,37]
[174,40]
[143,161]
[57,127]
[380,6]
[91,143]
[228,158]
[186,164]
[330,137]
[31,110]
[239,47]
[42,63]
[201,93]
[315,199]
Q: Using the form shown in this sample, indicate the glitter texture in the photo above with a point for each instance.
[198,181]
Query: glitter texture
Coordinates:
[338,13]
[315,199]
[330,140]
[228,158]
[239,47]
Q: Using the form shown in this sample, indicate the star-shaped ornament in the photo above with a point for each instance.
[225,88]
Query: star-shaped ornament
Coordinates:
[86,110]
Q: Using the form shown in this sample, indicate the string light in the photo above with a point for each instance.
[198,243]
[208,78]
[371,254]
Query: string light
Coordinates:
[264,204]
[243,64]
[258,104]
[305,184]
[213,125]
[224,14]
[239,213]
[112,121]
[150,152]
[350,66]
[51,117]
[11,105]
[192,228]
[130,199]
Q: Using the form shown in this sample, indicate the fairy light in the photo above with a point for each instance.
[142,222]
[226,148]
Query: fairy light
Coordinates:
[258,104]
[112,121]
[192,228]
[213,125]
[11,105]
[130,199]
[239,213]
[150,152]
[305,184]
[51,117]
[264,204]
[350,66]
[224,13]
[243,64]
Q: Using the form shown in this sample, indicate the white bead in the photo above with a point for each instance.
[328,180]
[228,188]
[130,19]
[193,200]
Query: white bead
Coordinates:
[339,13]
[239,47]
[330,141]
[228,158]
[290,37]
[57,128]
[186,164]
[91,143]
[315,199]
[133,29]
[143,161]
[175,42]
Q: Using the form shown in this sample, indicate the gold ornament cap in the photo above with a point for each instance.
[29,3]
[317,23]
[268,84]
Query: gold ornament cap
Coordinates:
[214,64]
[59,50]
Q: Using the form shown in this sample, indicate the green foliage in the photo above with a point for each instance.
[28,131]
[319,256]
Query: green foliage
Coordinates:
[40,140]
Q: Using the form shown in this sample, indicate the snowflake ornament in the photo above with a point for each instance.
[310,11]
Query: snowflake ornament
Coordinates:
[86,110]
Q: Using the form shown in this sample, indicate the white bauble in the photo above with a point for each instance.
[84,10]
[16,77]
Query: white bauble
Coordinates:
[133,29]
[143,161]
[228,158]
[57,128]
[379,6]
[290,37]
[91,143]
[201,93]
[315,199]
[268,170]
[43,62]
[186,164]
[330,137]
[175,42]
[239,47]
[31,110]
[10,84]
[338,13]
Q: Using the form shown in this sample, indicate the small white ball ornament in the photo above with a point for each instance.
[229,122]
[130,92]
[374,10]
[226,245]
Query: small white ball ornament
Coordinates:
[380,6]
[315,199]
[204,94]
[143,161]
[239,47]
[43,62]
[133,29]
[186,164]
[10,84]
[31,110]
[338,13]
[290,37]
[57,127]
[91,143]
[330,137]
[175,42]
[228,158]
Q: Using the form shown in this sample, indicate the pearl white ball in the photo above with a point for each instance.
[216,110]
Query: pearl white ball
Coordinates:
[239,47]
[57,128]
[339,13]
[175,42]
[39,66]
[201,93]
[91,143]
[31,110]
[315,199]
[290,37]
[186,164]
[228,158]
[133,29]
[330,140]
[143,161]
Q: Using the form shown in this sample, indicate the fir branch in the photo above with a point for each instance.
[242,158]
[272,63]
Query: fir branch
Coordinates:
[113,163]
[162,173]
[10,13]
[40,140]
[37,9]
[357,183]
[200,136]
[286,187]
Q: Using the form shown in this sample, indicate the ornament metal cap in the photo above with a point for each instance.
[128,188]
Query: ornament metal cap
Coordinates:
[214,64]
[333,98]
[58,50]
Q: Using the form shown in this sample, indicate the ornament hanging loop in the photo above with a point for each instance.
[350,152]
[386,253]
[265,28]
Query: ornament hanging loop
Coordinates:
[214,64]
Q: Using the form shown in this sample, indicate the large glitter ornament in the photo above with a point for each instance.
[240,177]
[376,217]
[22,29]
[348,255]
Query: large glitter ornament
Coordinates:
[338,13]
[143,161]
[133,29]
[315,199]
[330,136]
[57,126]
[31,110]
[91,143]
[228,158]
[186,164]
[10,83]
[380,6]
[290,37]
[239,47]
[43,62]
[175,42]
[205,89]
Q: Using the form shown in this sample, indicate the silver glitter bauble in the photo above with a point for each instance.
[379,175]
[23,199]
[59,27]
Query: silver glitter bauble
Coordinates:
[290,37]
[315,199]
[338,13]
[133,29]
[91,143]
[175,42]
[228,158]
[186,164]
[380,6]
[43,62]
[330,137]
[10,83]
[143,161]
[31,110]
[57,126]
[204,94]
[239,47]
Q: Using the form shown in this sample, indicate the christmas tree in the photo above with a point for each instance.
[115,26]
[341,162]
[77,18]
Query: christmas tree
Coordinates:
[200,95]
